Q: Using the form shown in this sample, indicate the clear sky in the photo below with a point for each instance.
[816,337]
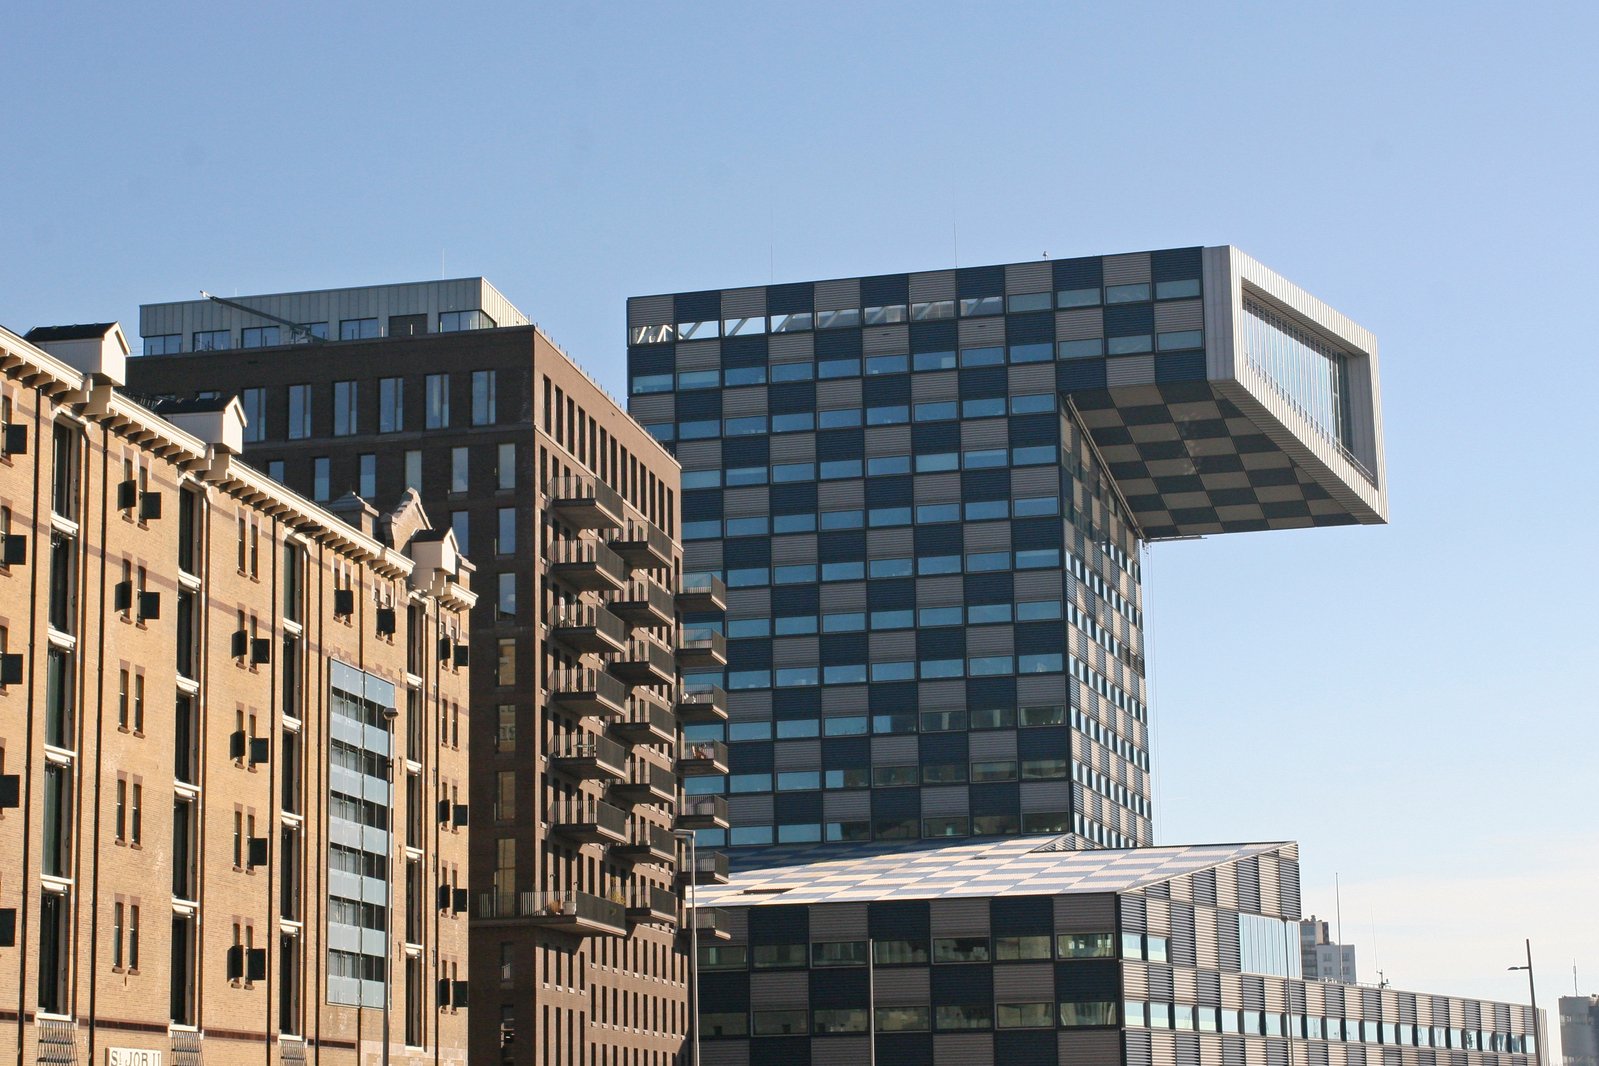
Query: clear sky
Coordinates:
[1414,703]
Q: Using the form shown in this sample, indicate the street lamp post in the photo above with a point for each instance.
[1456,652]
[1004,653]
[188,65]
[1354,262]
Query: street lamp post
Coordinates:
[1532,992]
[694,942]
[390,715]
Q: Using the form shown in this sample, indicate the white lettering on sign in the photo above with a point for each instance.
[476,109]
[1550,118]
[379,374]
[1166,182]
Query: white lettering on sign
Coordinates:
[131,1056]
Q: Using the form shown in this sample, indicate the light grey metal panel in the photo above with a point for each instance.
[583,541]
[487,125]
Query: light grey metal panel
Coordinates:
[840,1051]
[841,495]
[776,991]
[796,549]
[1135,980]
[746,809]
[932,285]
[1271,900]
[840,806]
[1126,269]
[794,651]
[992,744]
[985,433]
[725,1053]
[987,536]
[1045,795]
[1232,991]
[1130,370]
[1227,885]
[699,355]
[832,295]
[793,448]
[893,647]
[963,1049]
[797,755]
[751,501]
[749,603]
[942,385]
[1031,377]
[943,591]
[1179,314]
[838,921]
[1023,982]
[938,488]
[990,640]
[661,407]
[1030,277]
[700,454]
[831,395]
[1094,1048]
[1276,995]
[1157,916]
[1085,913]
[1035,481]
[843,597]
[1081,324]
[889,543]
[894,751]
[749,706]
[745,401]
[702,555]
[888,440]
[744,303]
[790,348]
[844,699]
[946,799]
[982,332]
[901,986]
[959,917]
[886,340]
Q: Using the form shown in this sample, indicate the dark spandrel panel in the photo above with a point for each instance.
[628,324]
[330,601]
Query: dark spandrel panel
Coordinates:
[797,808]
[942,747]
[962,984]
[974,282]
[749,654]
[779,924]
[703,506]
[985,692]
[787,299]
[985,485]
[1085,273]
[730,990]
[651,359]
[698,306]
[1049,742]
[1176,264]
[744,351]
[944,643]
[996,799]
[838,343]
[1017,1046]
[886,391]
[1027,329]
[907,1049]
[796,599]
[750,757]
[838,987]
[1129,319]
[1080,374]
[934,336]
[745,451]
[898,920]
[839,648]
[884,290]
[896,803]
[780,1051]
[797,396]
[983,381]
[889,492]
[1088,980]
[891,595]
[839,753]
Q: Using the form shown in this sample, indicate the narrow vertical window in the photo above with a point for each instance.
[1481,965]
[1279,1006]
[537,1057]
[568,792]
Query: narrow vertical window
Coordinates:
[483,398]
[437,395]
[391,405]
[345,418]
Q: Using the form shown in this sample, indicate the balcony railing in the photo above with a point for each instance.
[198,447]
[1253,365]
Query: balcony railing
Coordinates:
[589,756]
[650,844]
[702,592]
[586,691]
[590,821]
[648,725]
[710,868]
[586,563]
[644,603]
[702,812]
[586,627]
[650,784]
[701,646]
[654,904]
[644,545]
[709,922]
[586,503]
[645,662]
[701,702]
[702,758]
[577,912]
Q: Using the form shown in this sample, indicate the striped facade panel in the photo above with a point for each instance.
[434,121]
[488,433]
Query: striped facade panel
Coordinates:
[1162,985]
[1227,886]
[650,310]
[749,603]
[752,501]
[959,917]
[1126,269]
[1035,481]
[745,401]
[1253,989]
[838,921]
[660,407]
[1031,377]
[893,647]
[901,986]
[1249,884]
[793,448]
[778,991]
[1407,1008]
[963,1049]
[894,751]
[1210,1049]
[1232,1051]
[1227,940]
[943,591]
[744,303]
[990,640]
[842,293]
[844,699]
[1163,1046]
[844,806]
[750,810]
[1030,277]
[1232,993]
[1288,885]
[837,598]
[1084,323]
[886,340]
[1334,997]
[1314,994]
[840,1051]
[1083,913]
[836,394]
[946,800]
[1296,996]
[790,348]
[1276,1052]
[982,332]
[702,555]
[1043,690]
[700,355]
[991,744]
[1185,985]
[939,386]
[985,433]
[749,706]
[786,550]
[1183,949]
[797,755]
[725,1053]
[1424,1011]
[1130,370]
[1317,1053]
[889,543]
[1179,314]
[1157,915]
[987,536]
[1044,795]
[932,285]
[888,440]
[1140,1050]
[1024,982]
[1133,913]
[940,488]
[841,495]
[699,454]
[1089,1048]
[1276,994]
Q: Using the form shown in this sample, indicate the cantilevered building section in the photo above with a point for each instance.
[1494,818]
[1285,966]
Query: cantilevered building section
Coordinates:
[927,494]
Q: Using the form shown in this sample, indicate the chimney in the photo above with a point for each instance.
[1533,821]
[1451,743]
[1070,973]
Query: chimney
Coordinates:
[357,512]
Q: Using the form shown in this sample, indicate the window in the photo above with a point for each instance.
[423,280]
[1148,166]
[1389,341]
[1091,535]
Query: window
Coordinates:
[505,734]
[436,394]
[367,486]
[460,523]
[355,329]
[461,321]
[483,398]
[459,480]
[507,596]
[254,403]
[212,340]
[1025,1016]
[299,412]
[505,542]
[259,336]
[391,405]
[164,344]
[505,669]
[1022,948]
[413,470]
[345,420]
[960,949]
[965,1015]
[902,1019]
[321,475]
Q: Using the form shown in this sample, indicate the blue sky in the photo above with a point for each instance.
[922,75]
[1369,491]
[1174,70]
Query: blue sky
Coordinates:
[1409,702]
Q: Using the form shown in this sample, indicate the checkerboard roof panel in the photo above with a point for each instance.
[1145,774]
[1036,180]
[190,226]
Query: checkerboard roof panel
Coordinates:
[1028,865]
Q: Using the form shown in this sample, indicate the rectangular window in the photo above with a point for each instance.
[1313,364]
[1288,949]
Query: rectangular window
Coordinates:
[483,398]
[459,470]
[254,404]
[505,542]
[212,340]
[505,466]
[345,421]
[460,522]
[321,477]
[368,479]
[259,336]
[356,329]
[436,393]
[164,344]
[413,470]
[391,405]
[299,412]
[507,596]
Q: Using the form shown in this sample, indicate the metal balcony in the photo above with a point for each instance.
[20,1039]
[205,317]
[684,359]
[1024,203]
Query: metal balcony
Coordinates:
[654,904]
[708,922]
[589,821]
[650,845]
[589,757]
[701,702]
[644,545]
[650,784]
[587,565]
[585,627]
[644,603]
[571,911]
[702,592]
[702,812]
[702,758]
[710,868]
[701,646]
[649,725]
[645,662]
[586,691]
[586,503]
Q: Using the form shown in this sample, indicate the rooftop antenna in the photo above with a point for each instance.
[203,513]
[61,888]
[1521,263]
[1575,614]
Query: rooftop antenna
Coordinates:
[1338,907]
[298,332]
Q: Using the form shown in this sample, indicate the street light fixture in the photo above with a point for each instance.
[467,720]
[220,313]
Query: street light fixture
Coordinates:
[694,940]
[1532,992]
[390,716]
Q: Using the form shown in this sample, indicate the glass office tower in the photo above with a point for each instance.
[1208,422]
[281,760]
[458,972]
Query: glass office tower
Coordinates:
[929,494]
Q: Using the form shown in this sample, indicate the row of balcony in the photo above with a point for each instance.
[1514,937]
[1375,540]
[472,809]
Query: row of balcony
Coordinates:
[586,691]
[595,758]
[586,914]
